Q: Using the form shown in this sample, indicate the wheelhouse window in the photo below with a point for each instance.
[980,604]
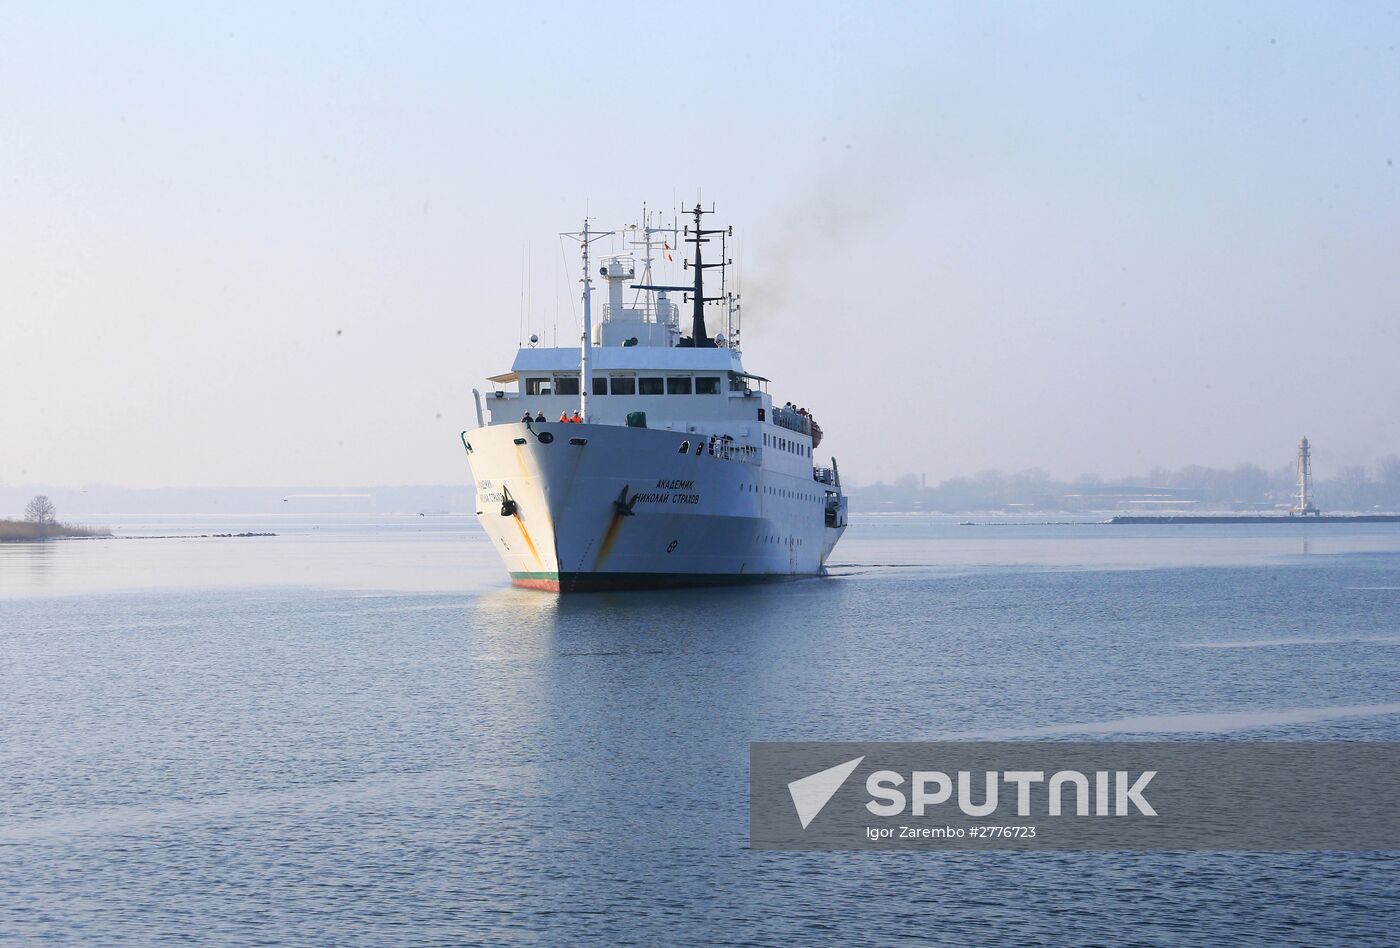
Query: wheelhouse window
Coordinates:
[537,386]
[566,385]
[707,385]
[624,386]
[600,385]
[678,386]
[651,386]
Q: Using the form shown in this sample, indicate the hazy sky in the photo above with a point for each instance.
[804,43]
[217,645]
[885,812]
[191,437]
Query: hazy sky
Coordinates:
[279,244]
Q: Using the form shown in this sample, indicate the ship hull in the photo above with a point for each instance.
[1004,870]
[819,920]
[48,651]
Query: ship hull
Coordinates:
[582,507]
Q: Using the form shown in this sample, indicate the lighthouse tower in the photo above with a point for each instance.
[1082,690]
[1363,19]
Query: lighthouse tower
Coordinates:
[1303,504]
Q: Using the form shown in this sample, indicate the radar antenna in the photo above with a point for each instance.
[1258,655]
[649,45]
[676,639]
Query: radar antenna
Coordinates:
[650,307]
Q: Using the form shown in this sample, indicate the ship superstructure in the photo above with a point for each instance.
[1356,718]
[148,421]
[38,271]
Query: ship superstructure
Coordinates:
[679,470]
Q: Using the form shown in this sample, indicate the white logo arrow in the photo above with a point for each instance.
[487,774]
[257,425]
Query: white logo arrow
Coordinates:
[812,793]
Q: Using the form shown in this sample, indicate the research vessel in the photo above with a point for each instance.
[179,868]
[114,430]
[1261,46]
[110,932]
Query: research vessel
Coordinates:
[648,456]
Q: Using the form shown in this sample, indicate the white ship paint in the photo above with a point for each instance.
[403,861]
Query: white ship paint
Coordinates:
[719,487]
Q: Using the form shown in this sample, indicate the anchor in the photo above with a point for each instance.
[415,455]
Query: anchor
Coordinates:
[623,505]
[508,505]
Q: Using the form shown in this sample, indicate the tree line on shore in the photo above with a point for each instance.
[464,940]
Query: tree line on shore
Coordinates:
[1353,488]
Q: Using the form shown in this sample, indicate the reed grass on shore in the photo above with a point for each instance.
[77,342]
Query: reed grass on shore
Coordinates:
[12,531]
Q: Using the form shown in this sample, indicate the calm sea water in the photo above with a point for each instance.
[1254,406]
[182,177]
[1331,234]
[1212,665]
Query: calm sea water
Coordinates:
[356,733]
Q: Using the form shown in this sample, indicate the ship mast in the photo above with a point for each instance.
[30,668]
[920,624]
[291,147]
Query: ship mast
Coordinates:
[586,237]
[650,304]
[699,337]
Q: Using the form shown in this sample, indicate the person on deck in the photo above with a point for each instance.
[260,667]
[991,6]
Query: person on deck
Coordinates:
[540,416]
[563,418]
[578,418]
[527,419]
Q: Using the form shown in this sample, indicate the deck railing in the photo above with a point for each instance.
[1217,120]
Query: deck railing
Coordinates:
[793,420]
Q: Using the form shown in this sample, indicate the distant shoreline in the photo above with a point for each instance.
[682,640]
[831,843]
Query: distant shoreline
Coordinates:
[28,531]
[22,531]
